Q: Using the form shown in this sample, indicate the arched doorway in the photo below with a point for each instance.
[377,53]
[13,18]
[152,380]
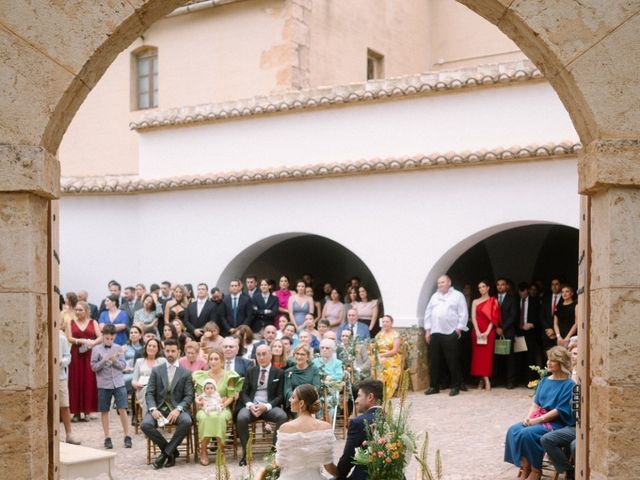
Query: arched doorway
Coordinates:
[295,254]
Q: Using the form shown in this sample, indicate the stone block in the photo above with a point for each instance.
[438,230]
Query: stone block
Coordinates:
[25,341]
[23,236]
[23,434]
[492,10]
[615,348]
[29,169]
[615,238]
[614,446]
[606,163]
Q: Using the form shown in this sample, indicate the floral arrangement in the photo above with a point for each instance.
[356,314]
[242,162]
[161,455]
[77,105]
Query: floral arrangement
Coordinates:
[533,384]
[422,458]
[389,444]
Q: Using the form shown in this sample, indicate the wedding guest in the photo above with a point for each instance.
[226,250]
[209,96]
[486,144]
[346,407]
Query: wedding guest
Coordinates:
[334,310]
[169,332]
[107,361]
[64,359]
[244,334]
[290,332]
[287,350]
[302,372]
[118,318]
[283,295]
[328,364]
[148,314]
[83,296]
[358,330]
[83,334]
[211,339]
[279,358]
[317,310]
[265,308]
[351,298]
[357,357]
[134,345]
[68,309]
[151,357]
[388,360]
[182,334]
[551,410]
[508,327]
[323,328]
[564,319]
[368,310]
[300,305]
[192,361]
[229,384]
[175,308]
[485,317]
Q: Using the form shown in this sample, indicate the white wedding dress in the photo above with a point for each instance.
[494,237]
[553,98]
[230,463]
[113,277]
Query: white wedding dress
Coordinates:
[301,455]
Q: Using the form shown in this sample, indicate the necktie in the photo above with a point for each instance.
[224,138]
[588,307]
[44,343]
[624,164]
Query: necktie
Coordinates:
[263,375]
[555,304]
[353,331]
[501,298]
[227,365]
[521,312]
[234,307]
[171,372]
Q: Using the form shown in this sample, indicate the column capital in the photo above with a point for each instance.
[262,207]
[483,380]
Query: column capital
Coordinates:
[29,168]
[608,163]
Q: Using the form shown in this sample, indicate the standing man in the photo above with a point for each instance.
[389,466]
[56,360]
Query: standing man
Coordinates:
[529,316]
[252,285]
[83,296]
[357,329]
[116,289]
[200,312]
[508,326]
[130,304]
[239,307]
[547,311]
[265,307]
[367,405]
[444,321]
[269,335]
[169,398]
[261,398]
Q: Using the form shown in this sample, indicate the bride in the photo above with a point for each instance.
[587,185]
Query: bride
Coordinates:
[304,444]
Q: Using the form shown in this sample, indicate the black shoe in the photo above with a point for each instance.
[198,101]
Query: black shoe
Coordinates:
[243,462]
[75,418]
[159,462]
[463,388]
[453,392]
[510,386]
[432,391]
[127,442]
[570,475]
[171,460]
[108,444]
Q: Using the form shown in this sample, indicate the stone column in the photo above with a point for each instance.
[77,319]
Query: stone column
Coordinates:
[610,175]
[29,180]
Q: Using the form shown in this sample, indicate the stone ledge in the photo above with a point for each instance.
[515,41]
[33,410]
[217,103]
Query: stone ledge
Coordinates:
[607,163]
[401,87]
[27,168]
[117,185]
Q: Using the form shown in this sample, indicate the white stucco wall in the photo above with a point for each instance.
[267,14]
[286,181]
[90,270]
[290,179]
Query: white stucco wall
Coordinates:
[406,227]
[467,121]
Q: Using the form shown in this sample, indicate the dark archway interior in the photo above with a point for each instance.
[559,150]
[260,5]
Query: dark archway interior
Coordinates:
[522,254]
[326,260]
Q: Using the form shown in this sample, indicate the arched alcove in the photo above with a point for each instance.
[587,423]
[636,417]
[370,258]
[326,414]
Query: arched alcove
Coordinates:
[521,251]
[296,253]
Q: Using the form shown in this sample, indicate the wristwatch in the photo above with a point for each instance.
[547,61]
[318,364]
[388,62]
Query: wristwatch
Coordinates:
[180,409]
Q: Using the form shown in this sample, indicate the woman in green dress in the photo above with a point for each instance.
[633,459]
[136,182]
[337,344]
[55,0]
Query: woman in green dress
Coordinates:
[229,384]
[302,372]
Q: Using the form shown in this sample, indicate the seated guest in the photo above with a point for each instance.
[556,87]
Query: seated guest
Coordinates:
[282,322]
[192,361]
[169,332]
[268,336]
[210,340]
[134,345]
[261,398]
[357,329]
[323,327]
[551,410]
[244,334]
[169,398]
[287,350]
[388,360]
[233,362]
[213,424]
[265,308]
[147,334]
[279,358]
[310,326]
[302,372]
[183,335]
[107,361]
[305,338]
[329,365]
[560,445]
[151,358]
[290,331]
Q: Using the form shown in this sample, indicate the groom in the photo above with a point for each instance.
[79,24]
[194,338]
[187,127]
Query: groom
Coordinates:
[367,404]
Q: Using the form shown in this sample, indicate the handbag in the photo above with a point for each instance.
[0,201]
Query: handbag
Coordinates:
[503,346]
[520,345]
[482,340]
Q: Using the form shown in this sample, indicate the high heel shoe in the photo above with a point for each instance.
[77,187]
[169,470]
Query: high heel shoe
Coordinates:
[487,384]
[481,384]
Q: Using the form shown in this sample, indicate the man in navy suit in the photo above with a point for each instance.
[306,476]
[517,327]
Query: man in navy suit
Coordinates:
[367,405]
[357,329]
[508,326]
[232,362]
[200,312]
[265,307]
[239,308]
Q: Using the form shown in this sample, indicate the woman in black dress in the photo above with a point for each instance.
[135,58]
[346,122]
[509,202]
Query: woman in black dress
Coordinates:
[564,320]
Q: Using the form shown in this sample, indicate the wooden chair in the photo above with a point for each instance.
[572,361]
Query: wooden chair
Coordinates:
[186,447]
[262,438]
[136,413]
[342,413]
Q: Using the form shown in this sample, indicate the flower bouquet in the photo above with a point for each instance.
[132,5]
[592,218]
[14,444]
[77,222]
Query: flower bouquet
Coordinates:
[533,384]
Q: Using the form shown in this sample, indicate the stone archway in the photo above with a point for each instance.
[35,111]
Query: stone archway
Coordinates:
[53,54]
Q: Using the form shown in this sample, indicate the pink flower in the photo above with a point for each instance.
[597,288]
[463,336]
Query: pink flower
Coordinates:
[382,440]
[388,460]
[380,454]
[365,443]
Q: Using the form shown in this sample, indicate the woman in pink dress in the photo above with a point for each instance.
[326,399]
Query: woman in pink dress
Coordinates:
[283,296]
[485,316]
[83,334]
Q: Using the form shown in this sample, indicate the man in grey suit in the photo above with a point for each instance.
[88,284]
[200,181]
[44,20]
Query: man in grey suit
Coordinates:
[130,303]
[169,398]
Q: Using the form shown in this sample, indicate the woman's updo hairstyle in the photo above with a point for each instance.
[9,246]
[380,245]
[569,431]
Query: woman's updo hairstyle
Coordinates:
[309,395]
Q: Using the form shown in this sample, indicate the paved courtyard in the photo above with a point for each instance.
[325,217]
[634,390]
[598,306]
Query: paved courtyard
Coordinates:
[468,429]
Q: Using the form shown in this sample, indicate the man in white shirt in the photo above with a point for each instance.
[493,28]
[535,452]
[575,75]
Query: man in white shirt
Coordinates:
[444,321]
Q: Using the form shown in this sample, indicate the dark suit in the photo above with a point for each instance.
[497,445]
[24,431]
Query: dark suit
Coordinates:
[355,436]
[531,336]
[181,396]
[509,324]
[275,396]
[546,320]
[93,312]
[241,366]
[242,315]
[194,321]
[362,331]
[260,308]
[129,310]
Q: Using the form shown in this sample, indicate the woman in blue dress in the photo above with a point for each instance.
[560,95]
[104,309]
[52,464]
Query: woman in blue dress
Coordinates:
[117,317]
[300,305]
[551,410]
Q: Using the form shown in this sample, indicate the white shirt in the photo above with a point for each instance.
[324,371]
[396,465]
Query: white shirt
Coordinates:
[262,395]
[446,312]
[200,305]
[525,310]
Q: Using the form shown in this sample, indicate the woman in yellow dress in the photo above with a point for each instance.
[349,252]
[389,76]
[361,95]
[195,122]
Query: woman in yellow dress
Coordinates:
[388,361]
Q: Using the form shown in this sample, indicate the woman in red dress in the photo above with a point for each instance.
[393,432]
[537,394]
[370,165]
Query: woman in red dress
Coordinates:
[83,334]
[485,316]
